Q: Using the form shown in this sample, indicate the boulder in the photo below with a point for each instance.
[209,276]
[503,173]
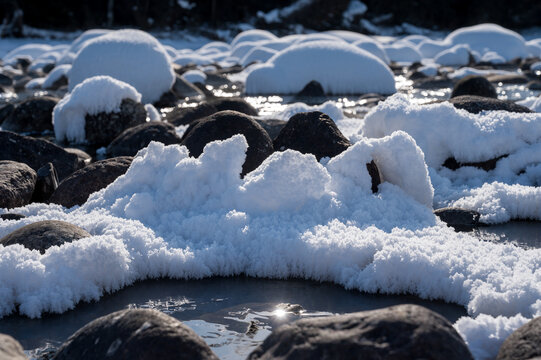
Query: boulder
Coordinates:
[17,182]
[223,125]
[76,188]
[138,137]
[435,82]
[36,153]
[32,116]
[10,349]
[83,157]
[102,128]
[312,89]
[11,216]
[5,80]
[5,111]
[396,333]
[459,219]
[46,184]
[312,133]
[42,235]
[523,343]
[168,99]
[186,115]
[235,104]
[474,85]
[508,79]
[140,334]
[184,89]
[476,104]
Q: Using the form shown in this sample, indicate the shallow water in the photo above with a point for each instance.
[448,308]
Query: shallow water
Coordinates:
[221,310]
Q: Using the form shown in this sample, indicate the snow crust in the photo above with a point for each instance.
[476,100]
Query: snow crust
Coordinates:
[133,56]
[92,96]
[339,67]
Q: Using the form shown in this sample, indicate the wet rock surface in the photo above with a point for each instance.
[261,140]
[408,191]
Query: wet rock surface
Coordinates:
[138,137]
[10,349]
[523,343]
[476,104]
[75,189]
[17,182]
[102,128]
[42,235]
[36,153]
[135,334]
[31,116]
[224,124]
[398,332]
[459,219]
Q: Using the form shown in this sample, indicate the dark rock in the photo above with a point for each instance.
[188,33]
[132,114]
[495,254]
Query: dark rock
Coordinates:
[474,85]
[532,85]
[460,219]
[476,104]
[46,183]
[217,80]
[508,79]
[487,165]
[76,188]
[10,349]
[5,111]
[20,83]
[36,153]
[436,82]
[399,332]
[33,115]
[272,126]
[135,334]
[416,75]
[527,63]
[373,171]
[17,182]
[223,125]
[82,157]
[60,82]
[370,99]
[48,68]
[523,343]
[102,128]
[5,80]
[42,235]
[235,104]
[312,89]
[138,137]
[11,216]
[168,99]
[185,116]
[312,133]
[184,89]
[23,62]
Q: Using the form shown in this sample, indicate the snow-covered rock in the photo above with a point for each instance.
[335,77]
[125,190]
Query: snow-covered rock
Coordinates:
[257,54]
[194,76]
[402,52]
[490,37]
[252,35]
[373,47]
[133,56]
[55,75]
[92,96]
[31,51]
[458,55]
[339,67]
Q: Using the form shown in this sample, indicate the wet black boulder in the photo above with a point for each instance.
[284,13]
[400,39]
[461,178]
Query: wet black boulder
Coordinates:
[223,125]
[474,85]
[34,115]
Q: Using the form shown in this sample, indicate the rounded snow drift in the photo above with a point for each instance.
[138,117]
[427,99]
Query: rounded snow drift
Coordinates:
[132,56]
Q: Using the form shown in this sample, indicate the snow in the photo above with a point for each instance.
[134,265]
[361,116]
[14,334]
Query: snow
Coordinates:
[402,52]
[429,48]
[490,37]
[355,8]
[29,50]
[56,74]
[252,36]
[493,58]
[194,76]
[291,217]
[339,67]
[133,56]
[92,96]
[277,15]
[465,71]
[429,69]
[36,83]
[374,48]
[153,113]
[195,59]
[536,66]
[257,54]
[536,106]
[186,5]
[458,55]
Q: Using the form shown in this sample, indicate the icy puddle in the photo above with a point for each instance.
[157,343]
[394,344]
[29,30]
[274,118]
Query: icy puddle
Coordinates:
[233,315]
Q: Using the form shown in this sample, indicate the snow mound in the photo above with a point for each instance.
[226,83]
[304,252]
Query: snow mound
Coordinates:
[490,37]
[252,35]
[429,48]
[92,96]
[194,76]
[31,51]
[458,55]
[69,54]
[402,52]
[374,48]
[56,74]
[257,54]
[339,67]
[131,56]
[196,59]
